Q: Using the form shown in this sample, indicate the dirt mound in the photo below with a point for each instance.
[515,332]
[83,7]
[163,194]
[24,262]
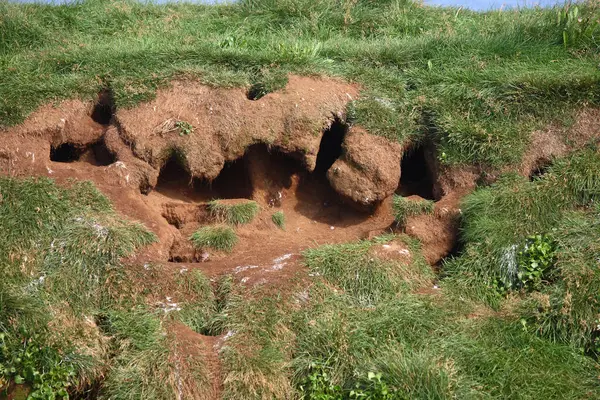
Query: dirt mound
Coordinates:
[290,151]
[222,123]
[199,133]
[554,142]
[369,169]
[438,232]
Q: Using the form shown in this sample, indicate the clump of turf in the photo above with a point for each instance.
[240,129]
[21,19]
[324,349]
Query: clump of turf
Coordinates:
[404,208]
[278,219]
[234,214]
[219,237]
[363,276]
[539,238]
[60,252]
[205,309]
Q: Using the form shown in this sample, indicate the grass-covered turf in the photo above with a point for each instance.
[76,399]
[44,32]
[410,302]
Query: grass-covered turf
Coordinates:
[561,206]
[234,214]
[218,237]
[482,80]
[68,314]
[404,208]
[324,343]
[278,219]
[516,315]
[73,319]
[205,309]
[368,279]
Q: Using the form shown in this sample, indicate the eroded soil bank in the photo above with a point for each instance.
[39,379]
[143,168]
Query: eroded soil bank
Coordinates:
[291,152]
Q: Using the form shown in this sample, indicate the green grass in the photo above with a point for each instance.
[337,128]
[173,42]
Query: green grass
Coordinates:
[218,237]
[404,208]
[496,223]
[484,79]
[234,214]
[205,310]
[365,278]
[476,84]
[142,368]
[323,342]
[359,316]
[60,262]
[278,219]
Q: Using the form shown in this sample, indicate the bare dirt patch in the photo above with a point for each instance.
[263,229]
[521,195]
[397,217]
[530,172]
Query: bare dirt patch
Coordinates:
[190,350]
[555,141]
[278,151]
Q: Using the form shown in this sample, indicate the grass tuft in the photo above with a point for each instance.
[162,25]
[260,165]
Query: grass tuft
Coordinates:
[278,219]
[366,278]
[404,208]
[218,237]
[234,214]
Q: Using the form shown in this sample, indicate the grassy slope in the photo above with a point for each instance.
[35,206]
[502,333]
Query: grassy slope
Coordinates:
[69,314]
[323,342]
[485,80]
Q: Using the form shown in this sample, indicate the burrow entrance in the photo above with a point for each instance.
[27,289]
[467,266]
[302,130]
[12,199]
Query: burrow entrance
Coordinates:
[539,170]
[104,108]
[417,175]
[330,148]
[260,168]
[257,91]
[96,154]
[175,181]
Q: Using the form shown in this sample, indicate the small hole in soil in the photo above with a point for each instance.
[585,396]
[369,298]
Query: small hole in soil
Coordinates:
[330,148]
[104,107]
[540,169]
[256,91]
[173,178]
[234,181]
[456,251]
[175,181]
[66,152]
[416,177]
[101,156]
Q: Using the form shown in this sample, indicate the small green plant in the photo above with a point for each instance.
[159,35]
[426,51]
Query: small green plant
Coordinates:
[404,208]
[234,214]
[36,365]
[374,389]
[278,219]
[578,24]
[535,260]
[318,385]
[185,128]
[218,237]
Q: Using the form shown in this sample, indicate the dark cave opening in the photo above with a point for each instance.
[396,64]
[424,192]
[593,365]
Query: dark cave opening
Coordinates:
[416,176]
[330,148]
[100,155]
[176,181]
[539,170]
[234,181]
[104,108]
[66,152]
[256,91]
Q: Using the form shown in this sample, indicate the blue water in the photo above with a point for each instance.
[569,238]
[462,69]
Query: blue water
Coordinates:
[478,5]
